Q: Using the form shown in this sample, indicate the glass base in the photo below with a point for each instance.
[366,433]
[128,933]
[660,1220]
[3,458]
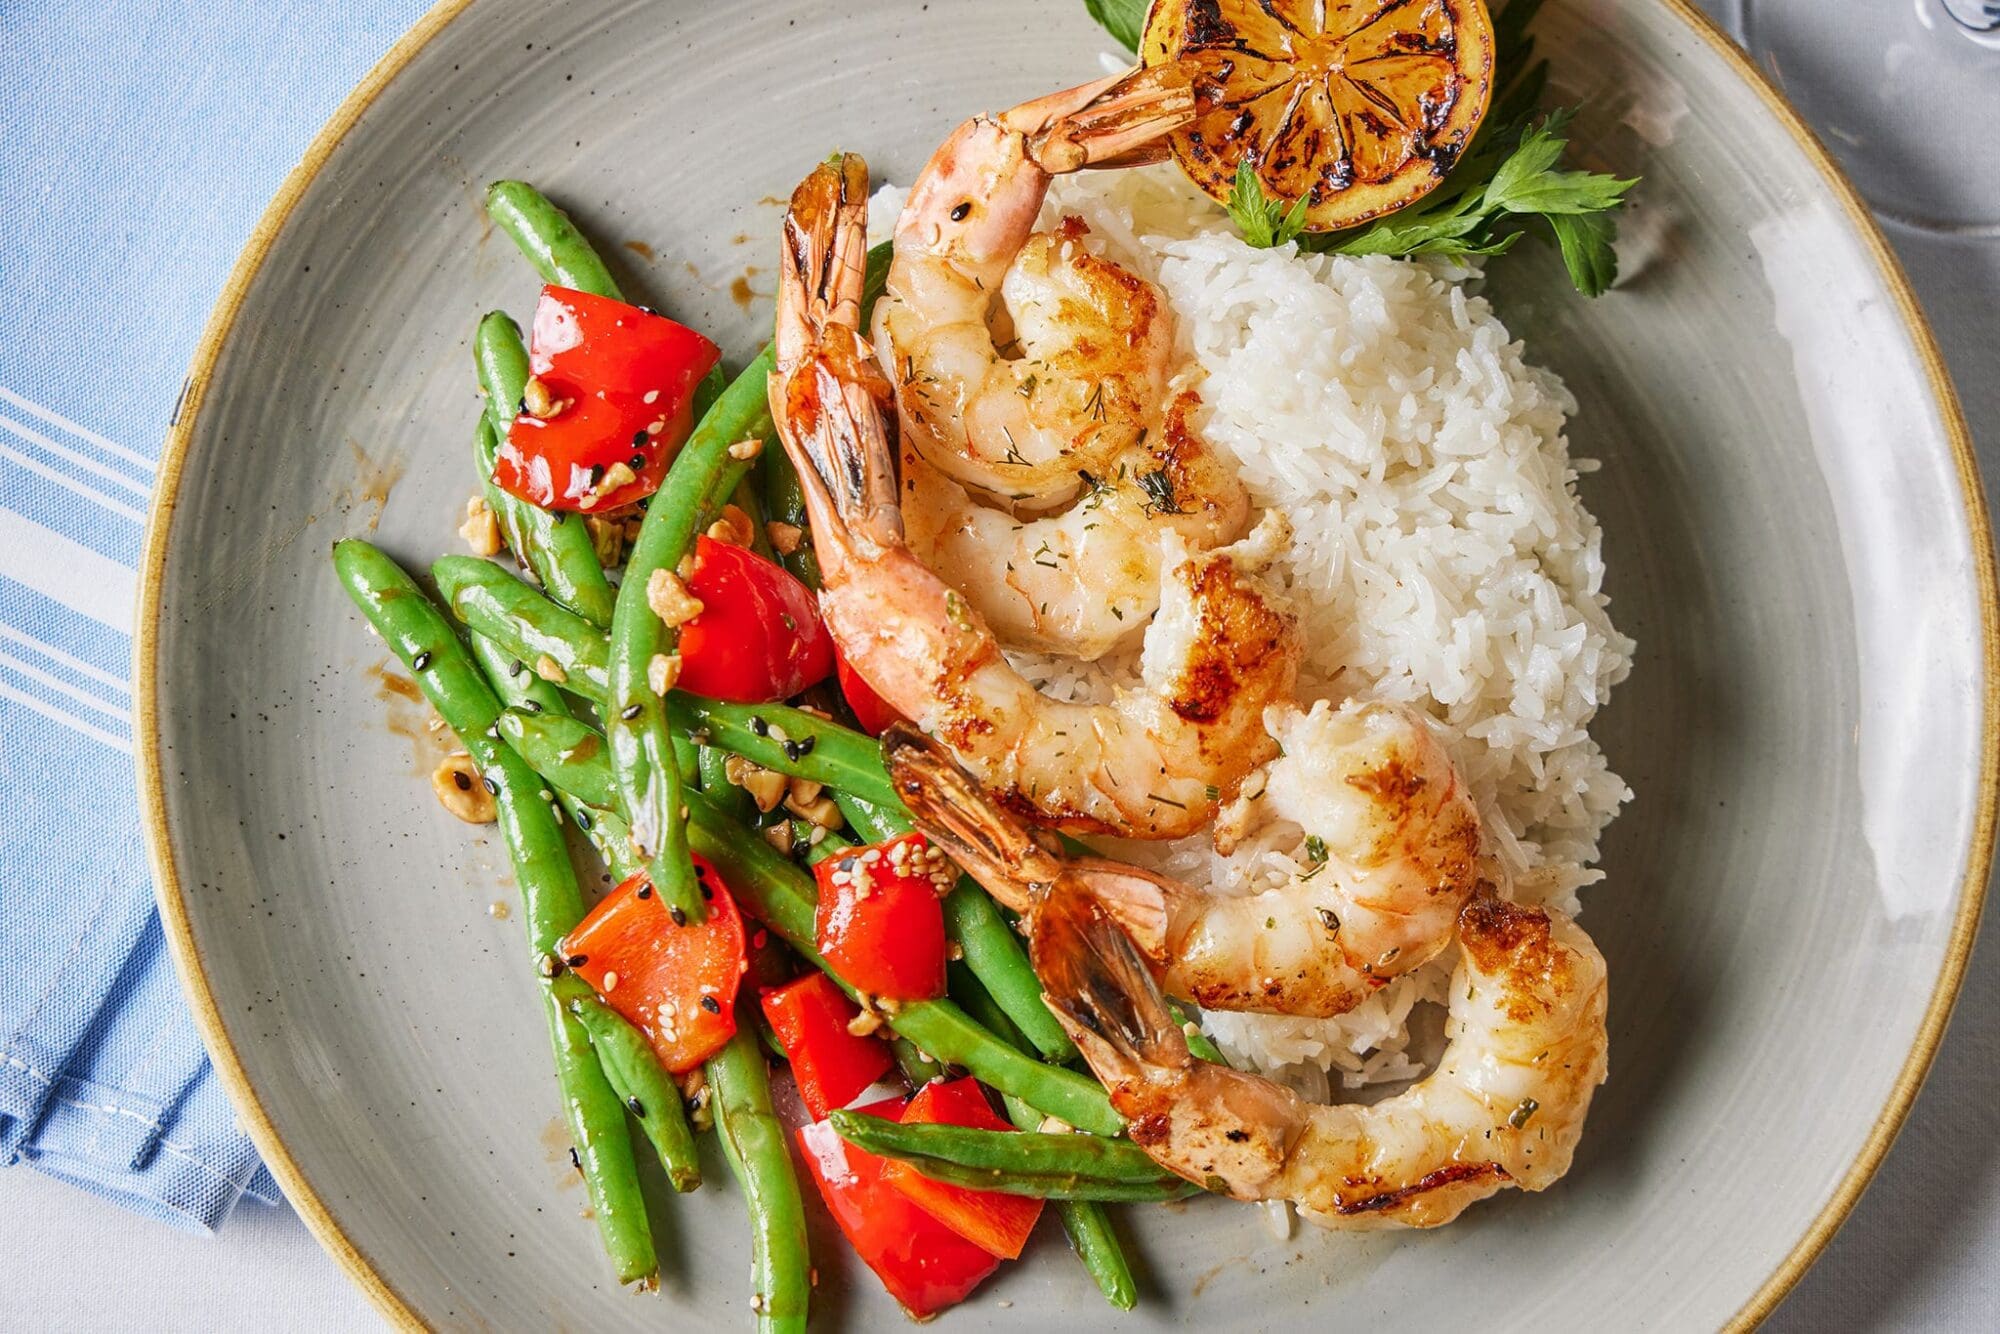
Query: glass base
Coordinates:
[1905,93]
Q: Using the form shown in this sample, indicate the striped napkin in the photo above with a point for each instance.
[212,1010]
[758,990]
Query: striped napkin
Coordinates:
[138,142]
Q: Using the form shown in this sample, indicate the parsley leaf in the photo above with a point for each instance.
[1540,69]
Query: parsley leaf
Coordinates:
[1123,19]
[1264,221]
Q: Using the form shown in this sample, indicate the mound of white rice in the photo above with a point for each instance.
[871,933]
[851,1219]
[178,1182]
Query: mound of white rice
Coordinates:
[1441,556]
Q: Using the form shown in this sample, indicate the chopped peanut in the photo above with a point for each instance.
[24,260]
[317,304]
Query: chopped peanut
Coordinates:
[766,788]
[785,537]
[745,450]
[607,538]
[462,791]
[779,836]
[804,791]
[536,398]
[550,670]
[733,527]
[480,530]
[670,599]
[820,810]
[663,670]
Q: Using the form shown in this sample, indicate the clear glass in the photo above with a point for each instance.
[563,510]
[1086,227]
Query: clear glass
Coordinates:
[1906,93]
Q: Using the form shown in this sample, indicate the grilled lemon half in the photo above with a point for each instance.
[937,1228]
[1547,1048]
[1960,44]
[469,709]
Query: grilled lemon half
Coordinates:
[1358,107]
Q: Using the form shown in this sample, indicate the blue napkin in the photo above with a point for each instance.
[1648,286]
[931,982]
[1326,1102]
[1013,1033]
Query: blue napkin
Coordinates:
[138,143]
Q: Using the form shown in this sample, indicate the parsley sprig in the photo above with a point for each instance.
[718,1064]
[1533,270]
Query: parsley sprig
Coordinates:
[1510,173]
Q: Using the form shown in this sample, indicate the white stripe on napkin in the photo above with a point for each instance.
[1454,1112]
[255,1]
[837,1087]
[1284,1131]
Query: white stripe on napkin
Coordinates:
[81,432]
[74,457]
[56,655]
[48,710]
[66,571]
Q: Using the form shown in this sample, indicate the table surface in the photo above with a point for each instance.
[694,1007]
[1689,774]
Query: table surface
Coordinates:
[1916,1253]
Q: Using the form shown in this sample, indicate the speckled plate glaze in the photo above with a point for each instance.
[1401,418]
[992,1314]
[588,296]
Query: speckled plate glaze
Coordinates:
[1793,533]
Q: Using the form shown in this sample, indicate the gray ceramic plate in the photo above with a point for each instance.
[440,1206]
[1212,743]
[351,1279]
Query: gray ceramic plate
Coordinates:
[1792,530]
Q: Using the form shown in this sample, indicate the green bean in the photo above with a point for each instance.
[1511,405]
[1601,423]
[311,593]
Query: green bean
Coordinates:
[1198,1042]
[1018,1162]
[555,545]
[790,741]
[567,751]
[549,239]
[649,782]
[628,1060]
[637,1077]
[784,898]
[992,947]
[754,1143]
[797,744]
[551,904]
[556,643]
[713,766]
[1086,1222]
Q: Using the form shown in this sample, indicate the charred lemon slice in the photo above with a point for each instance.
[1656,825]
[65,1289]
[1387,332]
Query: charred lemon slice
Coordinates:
[1357,107]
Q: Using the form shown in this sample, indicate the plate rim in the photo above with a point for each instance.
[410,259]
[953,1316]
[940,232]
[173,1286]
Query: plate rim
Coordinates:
[179,926]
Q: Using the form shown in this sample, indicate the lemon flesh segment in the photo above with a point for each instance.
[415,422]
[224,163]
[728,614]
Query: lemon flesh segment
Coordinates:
[1358,107]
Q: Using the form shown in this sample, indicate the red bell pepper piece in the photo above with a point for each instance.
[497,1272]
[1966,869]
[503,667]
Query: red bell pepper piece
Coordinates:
[995,1222]
[924,1264]
[870,709]
[830,1065]
[879,923]
[623,379]
[758,636]
[677,984]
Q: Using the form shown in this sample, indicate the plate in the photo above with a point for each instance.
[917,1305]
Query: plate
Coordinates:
[1793,531]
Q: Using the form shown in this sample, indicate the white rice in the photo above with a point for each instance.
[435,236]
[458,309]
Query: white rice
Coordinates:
[1441,556]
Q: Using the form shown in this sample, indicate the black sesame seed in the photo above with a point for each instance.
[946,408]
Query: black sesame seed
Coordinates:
[491,786]
[575,1161]
[707,892]
[798,750]
[561,516]
[520,407]
[421,661]
[532,705]
[637,461]
[464,783]
[638,1108]
[583,820]
[759,726]
[577,960]
[712,1005]
[629,712]
[645,891]
[639,439]
[958,213]
[596,475]
[680,917]
[516,667]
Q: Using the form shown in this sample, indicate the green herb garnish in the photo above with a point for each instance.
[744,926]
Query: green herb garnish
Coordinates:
[1123,19]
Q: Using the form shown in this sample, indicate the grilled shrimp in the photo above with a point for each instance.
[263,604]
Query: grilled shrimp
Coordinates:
[1505,1107]
[1032,376]
[1150,764]
[1395,845]
[1070,370]
[1083,581]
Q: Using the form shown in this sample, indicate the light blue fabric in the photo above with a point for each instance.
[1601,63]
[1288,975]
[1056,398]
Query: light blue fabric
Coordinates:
[138,143]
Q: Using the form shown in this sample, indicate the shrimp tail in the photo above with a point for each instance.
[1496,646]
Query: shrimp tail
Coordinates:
[989,842]
[1101,990]
[1225,1130]
[827,394]
[1122,121]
